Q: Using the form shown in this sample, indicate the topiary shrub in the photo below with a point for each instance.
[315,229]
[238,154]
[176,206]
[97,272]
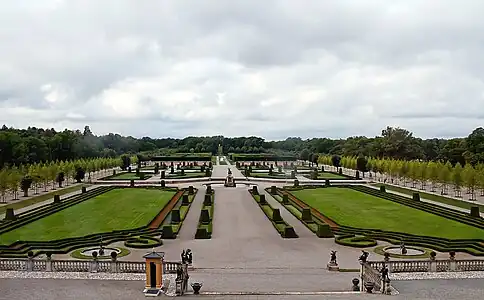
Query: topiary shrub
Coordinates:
[382,189]
[306,215]
[208,200]
[273,190]
[202,233]
[254,190]
[30,254]
[190,190]
[475,211]
[355,241]
[326,183]
[262,199]
[57,199]
[163,175]
[205,216]
[357,175]
[276,216]
[83,190]
[175,216]
[340,171]
[168,232]
[324,231]
[296,182]
[416,197]
[10,215]
[185,200]
[289,233]
[131,183]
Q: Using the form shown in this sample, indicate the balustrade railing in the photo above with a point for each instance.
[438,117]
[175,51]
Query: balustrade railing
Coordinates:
[107,266]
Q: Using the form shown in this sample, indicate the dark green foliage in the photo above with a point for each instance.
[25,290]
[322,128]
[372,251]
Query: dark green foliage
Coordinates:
[163,175]
[129,170]
[208,190]
[190,190]
[204,216]
[114,172]
[285,199]
[324,231]
[351,240]
[175,216]
[340,171]
[83,190]
[326,183]
[208,172]
[262,199]
[185,200]
[202,233]
[362,164]
[142,176]
[296,182]
[289,233]
[208,199]
[276,215]
[336,160]
[357,175]
[141,242]
[306,215]
[415,196]
[382,189]
[475,211]
[273,190]
[131,183]
[10,215]
[157,168]
[254,190]
[57,199]
[322,168]
[293,174]
[80,174]
[125,162]
[168,232]
[25,185]
[163,184]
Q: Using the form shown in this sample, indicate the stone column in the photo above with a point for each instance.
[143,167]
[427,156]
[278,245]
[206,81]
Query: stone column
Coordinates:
[114,265]
[94,265]
[30,264]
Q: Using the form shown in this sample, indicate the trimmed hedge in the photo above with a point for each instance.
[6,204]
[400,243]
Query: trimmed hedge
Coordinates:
[63,246]
[204,228]
[471,246]
[351,240]
[319,227]
[274,215]
[143,242]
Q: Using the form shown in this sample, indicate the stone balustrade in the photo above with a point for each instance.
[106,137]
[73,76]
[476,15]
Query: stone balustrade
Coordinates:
[447,265]
[94,265]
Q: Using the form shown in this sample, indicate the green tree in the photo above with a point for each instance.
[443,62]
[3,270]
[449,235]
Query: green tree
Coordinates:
[457,179]
[470,179]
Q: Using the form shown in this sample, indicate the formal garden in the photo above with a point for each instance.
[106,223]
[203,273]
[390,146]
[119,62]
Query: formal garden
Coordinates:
[139,216]
[360,216]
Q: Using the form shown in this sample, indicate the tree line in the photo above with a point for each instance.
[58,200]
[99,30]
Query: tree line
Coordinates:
[440,175]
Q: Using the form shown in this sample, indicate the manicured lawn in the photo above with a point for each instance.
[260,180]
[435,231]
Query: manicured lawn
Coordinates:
[330,175]
[115,210]
[187,175]
[129,176]
[41,198]
[432,197]
[357,209]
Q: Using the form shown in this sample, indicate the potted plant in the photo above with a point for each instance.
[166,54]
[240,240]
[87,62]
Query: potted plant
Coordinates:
[356,283]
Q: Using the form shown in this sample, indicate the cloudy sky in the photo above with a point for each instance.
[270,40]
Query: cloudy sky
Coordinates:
[272,68]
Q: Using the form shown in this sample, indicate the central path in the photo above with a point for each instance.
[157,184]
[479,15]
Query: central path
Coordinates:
[189,227]
[237,216]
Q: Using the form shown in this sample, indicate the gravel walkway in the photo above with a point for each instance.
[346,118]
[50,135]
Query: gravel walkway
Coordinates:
[189,227]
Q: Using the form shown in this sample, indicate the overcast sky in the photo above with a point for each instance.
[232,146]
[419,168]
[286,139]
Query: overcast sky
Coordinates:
[271,68]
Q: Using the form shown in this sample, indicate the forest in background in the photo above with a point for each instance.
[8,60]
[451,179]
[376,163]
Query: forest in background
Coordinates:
[36,145]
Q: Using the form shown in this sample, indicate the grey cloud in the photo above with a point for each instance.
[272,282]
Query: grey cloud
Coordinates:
[323,68]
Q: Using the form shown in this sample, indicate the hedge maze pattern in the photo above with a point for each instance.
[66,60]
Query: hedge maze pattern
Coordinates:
[142,237]
[358,237]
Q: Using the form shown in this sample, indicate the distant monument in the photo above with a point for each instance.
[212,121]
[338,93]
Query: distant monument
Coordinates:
[229,180]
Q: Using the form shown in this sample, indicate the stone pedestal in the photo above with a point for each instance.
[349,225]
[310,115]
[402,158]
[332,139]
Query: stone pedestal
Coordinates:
[332,266]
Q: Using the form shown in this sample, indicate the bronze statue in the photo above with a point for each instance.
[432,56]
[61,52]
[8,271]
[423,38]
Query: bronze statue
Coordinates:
[364,256]
[333,257]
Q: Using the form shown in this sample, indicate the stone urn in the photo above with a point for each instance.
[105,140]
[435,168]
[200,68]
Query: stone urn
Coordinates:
[356,283]
[369,286]
[196,286]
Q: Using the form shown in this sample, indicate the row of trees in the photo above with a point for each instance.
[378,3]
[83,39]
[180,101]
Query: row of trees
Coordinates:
[35,145]
[439,175]
[45,175]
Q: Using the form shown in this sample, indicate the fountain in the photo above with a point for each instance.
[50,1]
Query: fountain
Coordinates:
[104,252]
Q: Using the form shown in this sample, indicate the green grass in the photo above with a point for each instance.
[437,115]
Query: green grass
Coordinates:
[187,175]
[114,210]
[129,176]
[41,198]
[356,209]
[432,197]
[274,175]
[330,175]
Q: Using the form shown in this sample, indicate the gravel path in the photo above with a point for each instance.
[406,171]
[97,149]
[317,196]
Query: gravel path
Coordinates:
[237,216]
[189,227]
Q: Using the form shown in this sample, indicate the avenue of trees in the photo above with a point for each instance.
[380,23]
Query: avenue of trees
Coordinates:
[441,176]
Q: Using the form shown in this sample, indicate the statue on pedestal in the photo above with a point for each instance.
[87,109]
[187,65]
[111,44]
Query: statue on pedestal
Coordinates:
[333,263]
[364,256]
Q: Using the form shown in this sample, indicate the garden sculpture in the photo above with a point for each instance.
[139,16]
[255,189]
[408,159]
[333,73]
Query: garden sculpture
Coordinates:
[333,258]
[363,256]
